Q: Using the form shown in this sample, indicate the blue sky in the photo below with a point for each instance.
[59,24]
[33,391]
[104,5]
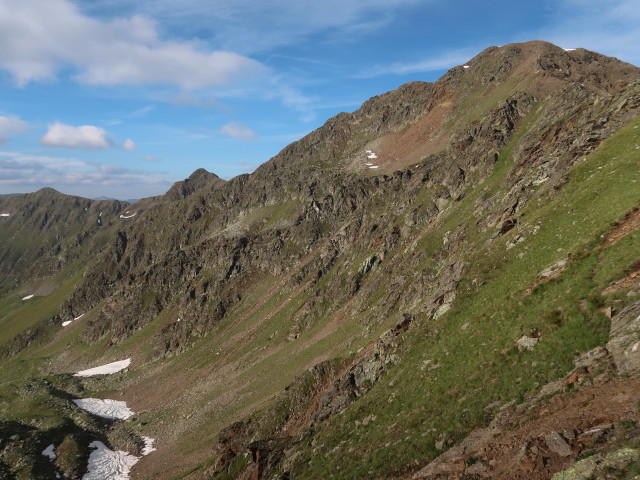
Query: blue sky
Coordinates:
[121,98]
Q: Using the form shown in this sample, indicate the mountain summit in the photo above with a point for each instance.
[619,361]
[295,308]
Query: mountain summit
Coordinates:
[441,284]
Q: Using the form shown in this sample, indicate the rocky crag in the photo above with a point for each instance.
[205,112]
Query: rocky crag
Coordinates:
[423,288]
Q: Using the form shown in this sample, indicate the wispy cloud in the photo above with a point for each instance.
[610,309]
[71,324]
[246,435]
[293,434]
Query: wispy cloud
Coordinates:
[237,130]
[150,158]
[251,26]
[9,127]
[87,137]
[40,37]
[141,112]
[606,26]
[442,61]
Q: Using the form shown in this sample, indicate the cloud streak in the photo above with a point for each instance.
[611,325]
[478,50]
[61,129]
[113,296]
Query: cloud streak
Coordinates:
[237,130]
[442,61]
[251,26]
[38,38]
[18,169]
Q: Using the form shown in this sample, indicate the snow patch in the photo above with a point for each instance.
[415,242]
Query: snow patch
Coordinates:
[27,297]
[374,166]
[128,216]
[68,322]
[569,49]
[107,408]
[48,452]
[107,369]
[148,445]
[105,463]
[465,66]
[372,156]
[5,214]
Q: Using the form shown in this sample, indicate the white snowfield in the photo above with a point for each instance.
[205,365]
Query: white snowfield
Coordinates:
[27,297]
[374,166]
[148,445]
[105,463]
[67,322]
[569,49]
[128,216]
[372,156]
[5,214]
[107,369]
[78,317]
[465,66]
[107,408]
[49,452]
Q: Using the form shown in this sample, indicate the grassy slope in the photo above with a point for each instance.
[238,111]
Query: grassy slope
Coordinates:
[480,364]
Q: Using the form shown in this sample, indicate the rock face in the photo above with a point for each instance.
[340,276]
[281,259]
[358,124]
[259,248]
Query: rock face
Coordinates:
[319,315]
[624,343]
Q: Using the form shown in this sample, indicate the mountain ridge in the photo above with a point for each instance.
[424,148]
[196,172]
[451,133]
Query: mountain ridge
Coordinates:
[297,303]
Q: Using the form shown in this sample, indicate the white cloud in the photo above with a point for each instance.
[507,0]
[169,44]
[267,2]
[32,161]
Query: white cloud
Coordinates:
[237,130]
[38,38]
[129,144]
[150,158]
[9,127]
[86,137]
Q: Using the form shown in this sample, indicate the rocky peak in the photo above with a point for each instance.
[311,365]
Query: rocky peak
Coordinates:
[198,180]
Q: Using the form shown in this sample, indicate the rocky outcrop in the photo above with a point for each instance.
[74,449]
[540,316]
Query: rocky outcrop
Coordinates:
[624,343]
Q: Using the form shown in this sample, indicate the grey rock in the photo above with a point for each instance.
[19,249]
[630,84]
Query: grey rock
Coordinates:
[624,343]
[554,269]
[591,358]
[527,343]
[477,468]
[582,470]
[558,444]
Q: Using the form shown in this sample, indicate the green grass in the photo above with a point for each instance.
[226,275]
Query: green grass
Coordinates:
[481,364]
[17,316]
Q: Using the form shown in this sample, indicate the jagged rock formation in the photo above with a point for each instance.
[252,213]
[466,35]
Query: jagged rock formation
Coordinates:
[321,319]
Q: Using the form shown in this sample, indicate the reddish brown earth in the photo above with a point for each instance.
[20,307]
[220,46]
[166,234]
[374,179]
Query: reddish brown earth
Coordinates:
[513,447]
[631,223]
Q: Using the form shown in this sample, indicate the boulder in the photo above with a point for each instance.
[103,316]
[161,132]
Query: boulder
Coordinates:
[558,444]
[624,343]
